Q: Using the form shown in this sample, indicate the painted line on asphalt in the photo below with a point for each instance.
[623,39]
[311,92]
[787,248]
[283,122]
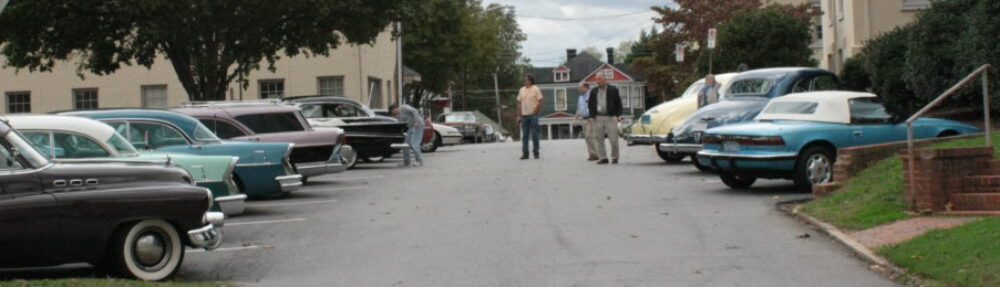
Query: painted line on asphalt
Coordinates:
[332,189]
[712,181]
[298,219]
[224,249]
[292,203]
[357,178]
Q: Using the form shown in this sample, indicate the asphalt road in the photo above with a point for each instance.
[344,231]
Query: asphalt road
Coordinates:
[475,215]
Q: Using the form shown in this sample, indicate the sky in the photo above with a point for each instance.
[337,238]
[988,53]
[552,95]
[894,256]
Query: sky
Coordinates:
[552,26]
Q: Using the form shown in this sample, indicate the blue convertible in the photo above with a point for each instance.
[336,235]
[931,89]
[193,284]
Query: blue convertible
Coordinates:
[263,169]
[797,136]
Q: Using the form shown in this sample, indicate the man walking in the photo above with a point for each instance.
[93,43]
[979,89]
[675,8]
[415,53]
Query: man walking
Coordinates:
[583,115]
[414,131]
[709,94]
[605,107]
[529,101]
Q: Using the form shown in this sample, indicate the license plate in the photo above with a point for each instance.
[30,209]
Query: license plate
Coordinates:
[645,119]
[730,146]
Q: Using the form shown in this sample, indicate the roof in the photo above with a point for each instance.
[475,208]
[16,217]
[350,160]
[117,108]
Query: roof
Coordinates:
[832,106]
[777,72]
[89,127]
[580,67]
[236,110]
[320,99]
[184,122]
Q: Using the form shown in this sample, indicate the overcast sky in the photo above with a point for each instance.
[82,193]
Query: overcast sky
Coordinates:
[552,26]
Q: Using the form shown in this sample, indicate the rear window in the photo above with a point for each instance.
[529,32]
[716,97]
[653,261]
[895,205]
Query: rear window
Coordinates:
[804,108]
[272,123]
[750,87]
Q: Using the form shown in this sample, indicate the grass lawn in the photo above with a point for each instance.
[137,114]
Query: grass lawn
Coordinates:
[968,255]
[875,195]
[103,283]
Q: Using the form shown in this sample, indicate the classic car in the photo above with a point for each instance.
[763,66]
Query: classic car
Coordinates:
[473,129]
[797,136]
[315,152]
[442,136]
[263,169]
[126,218]
[746,96]
[63,137]
[654,125]
[370,136]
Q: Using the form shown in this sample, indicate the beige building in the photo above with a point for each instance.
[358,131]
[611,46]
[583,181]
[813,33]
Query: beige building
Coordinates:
[365,72]
[847,24]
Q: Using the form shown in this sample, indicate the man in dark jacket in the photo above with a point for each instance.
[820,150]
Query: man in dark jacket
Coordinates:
[605,106]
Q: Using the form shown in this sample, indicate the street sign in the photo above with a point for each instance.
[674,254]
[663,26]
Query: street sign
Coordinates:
[679,53]
[711,38]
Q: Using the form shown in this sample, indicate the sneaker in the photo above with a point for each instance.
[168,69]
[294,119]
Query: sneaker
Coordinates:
[592,158]
[614,161]
[603,161]
[524,157]
[536,156]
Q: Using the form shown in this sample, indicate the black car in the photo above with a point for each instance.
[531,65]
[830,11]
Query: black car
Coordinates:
[127,219]
[747,95]
[370,135]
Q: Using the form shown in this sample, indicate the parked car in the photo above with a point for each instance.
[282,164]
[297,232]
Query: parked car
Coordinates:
[746,96]
[69,138]
[442,136]
[131,219]
[314,153]
[655,124]
[263,169]
[371,136]
[473,129]
[797,136]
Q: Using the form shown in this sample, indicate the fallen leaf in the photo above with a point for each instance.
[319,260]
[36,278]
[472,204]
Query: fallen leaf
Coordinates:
[609,198]
[776,198]
[468,212]
[634,236]
[387,213]
[267,246]
[372,203]
[804,235]
[697,272]
[246,244]
[665,213]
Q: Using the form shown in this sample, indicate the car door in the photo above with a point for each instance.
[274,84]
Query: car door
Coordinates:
[28,214]
[155,135]
[871,124]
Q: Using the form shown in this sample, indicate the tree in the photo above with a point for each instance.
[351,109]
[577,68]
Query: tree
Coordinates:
[761,38]
[208,43]
[641,47]
[593,52]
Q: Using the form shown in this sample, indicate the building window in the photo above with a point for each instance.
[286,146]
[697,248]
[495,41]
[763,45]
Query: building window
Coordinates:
[561,76]
[636,95]
[85,99]
[330,86]
[271,89]
[560,99]
[623,91]
[375,93]
[840,9]
[154,97]
[608,74]
[910,5]
[18,102]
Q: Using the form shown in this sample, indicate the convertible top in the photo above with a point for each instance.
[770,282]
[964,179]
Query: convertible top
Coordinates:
[832,106]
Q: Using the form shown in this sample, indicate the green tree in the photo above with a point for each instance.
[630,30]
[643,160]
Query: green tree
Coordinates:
[593,52]
[761,38]
[884,59]
[208,43]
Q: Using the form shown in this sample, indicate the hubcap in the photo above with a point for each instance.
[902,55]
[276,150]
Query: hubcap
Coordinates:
[151,250]
[818,169]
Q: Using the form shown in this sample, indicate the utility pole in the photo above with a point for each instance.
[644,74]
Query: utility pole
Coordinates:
[496,91]
[399,62]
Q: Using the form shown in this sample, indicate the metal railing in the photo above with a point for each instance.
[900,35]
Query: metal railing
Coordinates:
[986,112]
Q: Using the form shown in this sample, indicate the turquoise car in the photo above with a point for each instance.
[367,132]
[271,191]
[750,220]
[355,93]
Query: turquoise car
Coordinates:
[72,138]
[263,169]
[797,136]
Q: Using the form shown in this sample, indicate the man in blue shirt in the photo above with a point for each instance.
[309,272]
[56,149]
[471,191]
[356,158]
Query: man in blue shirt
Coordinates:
[583,114]
[709,94]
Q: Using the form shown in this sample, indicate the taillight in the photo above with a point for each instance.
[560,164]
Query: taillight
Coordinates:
[342,139]
[774,140]
[711,139]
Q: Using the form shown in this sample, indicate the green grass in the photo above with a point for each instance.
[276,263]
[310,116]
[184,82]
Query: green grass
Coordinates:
[972,142]
[103,283]
[873,197]
[968,255]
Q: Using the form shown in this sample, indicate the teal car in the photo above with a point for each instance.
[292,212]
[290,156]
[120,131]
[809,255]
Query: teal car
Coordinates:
[74,139]
[263,169]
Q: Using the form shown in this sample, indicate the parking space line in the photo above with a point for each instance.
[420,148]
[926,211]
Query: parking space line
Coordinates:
[224,249]
[358,178]
[292,203]
[333,189]
[298,219]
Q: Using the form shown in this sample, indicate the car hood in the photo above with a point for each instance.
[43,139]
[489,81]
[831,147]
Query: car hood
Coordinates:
[113,171]
[663,117]
[201,167]
[310,138]
[720,114]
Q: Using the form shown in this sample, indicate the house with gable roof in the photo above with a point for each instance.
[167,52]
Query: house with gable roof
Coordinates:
[559,88]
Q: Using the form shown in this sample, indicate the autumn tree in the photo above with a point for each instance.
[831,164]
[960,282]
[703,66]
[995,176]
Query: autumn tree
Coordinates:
[208,43]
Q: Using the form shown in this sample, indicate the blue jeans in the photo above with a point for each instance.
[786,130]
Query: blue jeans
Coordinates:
[529,129]
[414,138]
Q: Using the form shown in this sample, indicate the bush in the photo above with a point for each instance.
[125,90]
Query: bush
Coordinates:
[884,59]
[854,77]
[761,38]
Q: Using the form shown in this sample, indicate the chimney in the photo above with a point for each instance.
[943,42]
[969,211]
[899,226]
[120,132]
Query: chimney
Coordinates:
[570,54]
[611,55]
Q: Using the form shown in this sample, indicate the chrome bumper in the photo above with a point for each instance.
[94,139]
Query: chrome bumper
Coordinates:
[760,157]
[334,164]
[680,148]
[207,237]
[233,204]
[645,139]
[289,182]
[451,140]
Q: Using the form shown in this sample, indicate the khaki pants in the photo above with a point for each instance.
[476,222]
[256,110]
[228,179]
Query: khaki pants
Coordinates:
[606,126]
[588,131]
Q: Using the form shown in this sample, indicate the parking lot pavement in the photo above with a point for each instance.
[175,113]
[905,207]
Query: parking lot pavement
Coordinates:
[475,215]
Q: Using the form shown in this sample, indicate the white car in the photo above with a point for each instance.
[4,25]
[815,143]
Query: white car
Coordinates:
[443,136]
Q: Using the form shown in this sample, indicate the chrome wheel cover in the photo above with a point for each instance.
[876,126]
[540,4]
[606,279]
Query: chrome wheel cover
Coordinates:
[818,168]
[152,250]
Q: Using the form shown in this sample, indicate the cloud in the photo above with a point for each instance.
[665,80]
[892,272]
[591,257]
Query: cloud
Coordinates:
[552,26]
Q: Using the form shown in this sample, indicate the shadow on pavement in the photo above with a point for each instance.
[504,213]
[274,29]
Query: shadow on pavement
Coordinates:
[76,270]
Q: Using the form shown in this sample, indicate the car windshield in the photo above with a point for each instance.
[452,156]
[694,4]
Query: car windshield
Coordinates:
[803,108]
[693,89]
[750,87]
[203,135]
[121,145]
[23,147]
[459,118]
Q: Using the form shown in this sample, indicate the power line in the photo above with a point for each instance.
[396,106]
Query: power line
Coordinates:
[591,18]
